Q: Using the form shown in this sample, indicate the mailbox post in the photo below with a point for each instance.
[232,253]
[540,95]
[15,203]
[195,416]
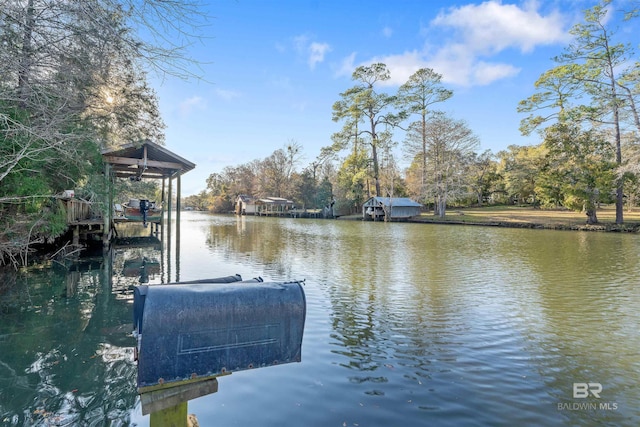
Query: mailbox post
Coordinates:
[189,334]
[168,406]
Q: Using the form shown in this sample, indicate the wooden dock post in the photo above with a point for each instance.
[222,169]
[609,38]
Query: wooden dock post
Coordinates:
[175,416]
[108,212]
[168,406]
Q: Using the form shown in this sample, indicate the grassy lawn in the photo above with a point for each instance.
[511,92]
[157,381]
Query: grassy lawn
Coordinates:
[528,216]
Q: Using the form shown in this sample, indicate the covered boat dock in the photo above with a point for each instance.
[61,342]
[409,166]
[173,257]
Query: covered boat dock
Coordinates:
[144,160]
[134,161]
[390,208]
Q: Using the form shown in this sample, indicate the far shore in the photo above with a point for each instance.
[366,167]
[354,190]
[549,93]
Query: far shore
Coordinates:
[530,217]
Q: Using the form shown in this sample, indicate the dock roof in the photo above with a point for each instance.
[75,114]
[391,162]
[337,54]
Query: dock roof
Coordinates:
[145,159]
[392,201]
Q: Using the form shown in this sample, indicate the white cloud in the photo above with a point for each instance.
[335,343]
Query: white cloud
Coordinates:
[313,52]
[485,73]
[300,106]
[282,83]
[491,26]
[483,31]
[401,67]
[347,66]
[458,65]
[454,64]
[192,104]
[300,43]
[226,94]
[317,52]
[478,34]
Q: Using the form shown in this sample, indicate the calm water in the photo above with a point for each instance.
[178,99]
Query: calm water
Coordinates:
[407,325]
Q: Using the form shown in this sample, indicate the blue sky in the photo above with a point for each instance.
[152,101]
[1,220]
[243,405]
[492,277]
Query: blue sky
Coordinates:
[273,69]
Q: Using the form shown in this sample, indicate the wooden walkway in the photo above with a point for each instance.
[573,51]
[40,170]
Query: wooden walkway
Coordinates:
[87,224]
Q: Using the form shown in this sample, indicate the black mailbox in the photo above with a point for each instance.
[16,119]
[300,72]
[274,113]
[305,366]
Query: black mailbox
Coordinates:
[190,332]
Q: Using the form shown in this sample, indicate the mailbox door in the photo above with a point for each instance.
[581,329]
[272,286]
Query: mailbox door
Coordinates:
[203,330]
[140,294]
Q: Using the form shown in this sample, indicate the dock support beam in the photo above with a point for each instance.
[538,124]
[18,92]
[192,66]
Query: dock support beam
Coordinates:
[179,195]
[178,208]
[108,211]
[175,416]
[168,407]
[169,200]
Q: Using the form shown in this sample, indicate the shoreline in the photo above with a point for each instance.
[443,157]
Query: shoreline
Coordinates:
[628,227]
[624,228]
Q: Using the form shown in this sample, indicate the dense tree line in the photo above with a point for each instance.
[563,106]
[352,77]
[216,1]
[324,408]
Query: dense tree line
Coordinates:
[73,82]
[584,109]
[275,176]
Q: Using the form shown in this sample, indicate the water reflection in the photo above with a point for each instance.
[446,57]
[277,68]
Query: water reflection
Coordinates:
[66,350]
[65,353]
[461,325]
[406,325]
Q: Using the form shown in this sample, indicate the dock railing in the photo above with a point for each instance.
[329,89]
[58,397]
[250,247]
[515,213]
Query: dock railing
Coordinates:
[77,210]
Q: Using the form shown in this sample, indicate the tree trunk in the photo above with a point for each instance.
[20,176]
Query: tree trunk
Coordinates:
[26,55]
[619,202]
[423,177]
[592,217]
[616,124]
[590,208]
[440,206]
[376,169]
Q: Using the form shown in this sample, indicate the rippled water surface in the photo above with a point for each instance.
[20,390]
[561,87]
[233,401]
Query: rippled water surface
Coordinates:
[407,325]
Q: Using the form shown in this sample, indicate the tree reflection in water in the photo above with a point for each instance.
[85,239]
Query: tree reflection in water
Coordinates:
[66,350]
